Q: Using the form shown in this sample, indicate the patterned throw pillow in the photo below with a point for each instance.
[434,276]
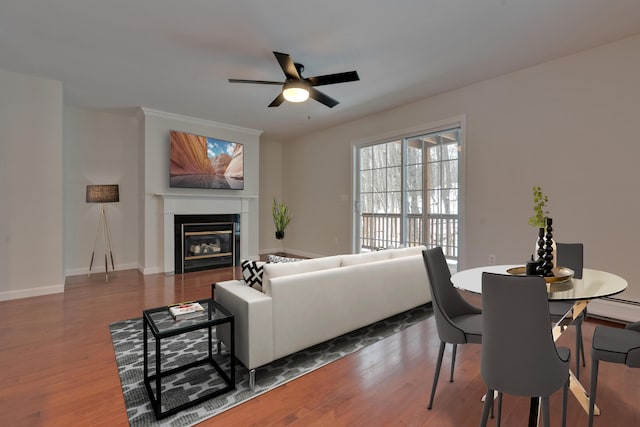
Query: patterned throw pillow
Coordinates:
[252,273]
[276,258]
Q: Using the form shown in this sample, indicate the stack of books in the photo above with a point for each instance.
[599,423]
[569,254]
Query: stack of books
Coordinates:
[186,310]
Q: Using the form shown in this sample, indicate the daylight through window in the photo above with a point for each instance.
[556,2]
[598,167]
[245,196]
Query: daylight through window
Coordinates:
[409,193]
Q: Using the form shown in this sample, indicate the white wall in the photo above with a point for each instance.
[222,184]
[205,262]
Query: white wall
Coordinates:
[100,148]
[567,125]
[31,225]
[270,187]
[157,125]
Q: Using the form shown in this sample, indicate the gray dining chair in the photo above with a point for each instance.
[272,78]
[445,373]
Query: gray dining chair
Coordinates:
[457,321]
[570,255]
[613,345]
[519,356]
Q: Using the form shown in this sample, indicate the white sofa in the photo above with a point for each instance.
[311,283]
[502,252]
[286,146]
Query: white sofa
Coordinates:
[307,302]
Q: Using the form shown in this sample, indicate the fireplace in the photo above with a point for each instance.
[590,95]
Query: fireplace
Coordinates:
[204,242]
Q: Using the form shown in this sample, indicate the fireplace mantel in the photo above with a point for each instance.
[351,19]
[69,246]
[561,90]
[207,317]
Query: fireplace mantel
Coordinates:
[204,196]
[205,204]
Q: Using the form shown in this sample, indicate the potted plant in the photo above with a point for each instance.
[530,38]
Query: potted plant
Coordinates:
[540,200]
[281,217]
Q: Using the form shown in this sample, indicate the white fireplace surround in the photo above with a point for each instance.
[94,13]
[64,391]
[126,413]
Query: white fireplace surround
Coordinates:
[189,204]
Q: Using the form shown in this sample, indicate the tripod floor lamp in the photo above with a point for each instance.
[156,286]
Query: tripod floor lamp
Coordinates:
[103,194]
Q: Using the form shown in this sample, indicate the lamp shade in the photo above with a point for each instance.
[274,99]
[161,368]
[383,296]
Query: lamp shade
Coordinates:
[103,193]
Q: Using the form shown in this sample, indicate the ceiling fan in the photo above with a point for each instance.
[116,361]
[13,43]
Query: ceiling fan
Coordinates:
[297,88]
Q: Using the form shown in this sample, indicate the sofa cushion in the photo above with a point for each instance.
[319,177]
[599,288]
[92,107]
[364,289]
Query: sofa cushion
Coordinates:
[402,252]
[252,273]
[312,307]
[277,258]
[363,258]
[278,269]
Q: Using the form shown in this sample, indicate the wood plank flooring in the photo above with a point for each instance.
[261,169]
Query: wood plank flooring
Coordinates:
[58,368]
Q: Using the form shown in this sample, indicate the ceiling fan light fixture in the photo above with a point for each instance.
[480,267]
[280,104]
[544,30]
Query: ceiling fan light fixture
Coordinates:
[297,88]
[295,92]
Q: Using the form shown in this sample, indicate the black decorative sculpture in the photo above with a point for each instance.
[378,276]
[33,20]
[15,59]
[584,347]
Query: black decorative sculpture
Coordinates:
[540,252]
[547,265]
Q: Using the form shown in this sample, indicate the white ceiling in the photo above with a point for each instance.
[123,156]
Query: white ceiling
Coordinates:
[176,55]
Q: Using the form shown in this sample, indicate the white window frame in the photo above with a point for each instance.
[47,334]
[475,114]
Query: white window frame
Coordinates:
[441,125]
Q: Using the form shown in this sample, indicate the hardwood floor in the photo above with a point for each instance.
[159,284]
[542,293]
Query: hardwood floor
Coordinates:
[58,368]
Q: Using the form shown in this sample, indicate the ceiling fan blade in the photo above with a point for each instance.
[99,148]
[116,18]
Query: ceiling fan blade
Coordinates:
[260,82]
[287,65]
[276,102]
[330,79]
[322,98]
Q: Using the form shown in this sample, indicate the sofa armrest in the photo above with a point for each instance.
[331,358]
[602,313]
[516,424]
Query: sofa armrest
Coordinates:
[253,315]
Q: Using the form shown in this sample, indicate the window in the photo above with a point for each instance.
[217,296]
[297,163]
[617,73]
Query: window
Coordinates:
[408,192]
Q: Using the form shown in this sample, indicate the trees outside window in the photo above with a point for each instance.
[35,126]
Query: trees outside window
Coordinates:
[408,192]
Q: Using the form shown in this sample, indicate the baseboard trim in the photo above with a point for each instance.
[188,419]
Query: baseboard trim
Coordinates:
[615,309]
[33,292]
[151,270]
[291,252]
[97,270]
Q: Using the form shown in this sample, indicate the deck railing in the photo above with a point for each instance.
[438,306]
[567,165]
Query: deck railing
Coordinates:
[379,231]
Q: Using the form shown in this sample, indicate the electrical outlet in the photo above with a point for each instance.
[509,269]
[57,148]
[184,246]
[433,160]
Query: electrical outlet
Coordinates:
[492,259]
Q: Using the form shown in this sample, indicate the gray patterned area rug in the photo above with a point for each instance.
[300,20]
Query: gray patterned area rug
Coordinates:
[127,344]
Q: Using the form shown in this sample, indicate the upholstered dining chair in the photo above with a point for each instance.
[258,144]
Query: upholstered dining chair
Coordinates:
[519,355]
[613,345]
[457,321]
[570,255]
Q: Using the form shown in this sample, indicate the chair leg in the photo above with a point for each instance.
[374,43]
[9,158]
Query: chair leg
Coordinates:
[584,317]
[578,340]
[579,346]
[565,390]
[499,409]
[488,403]
[534,411]
[491,409]
[594,386]
[436,374]
[584,359]
[546,420]
[453,361]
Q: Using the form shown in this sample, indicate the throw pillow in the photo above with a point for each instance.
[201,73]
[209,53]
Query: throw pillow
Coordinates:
[277,258]
[252,273]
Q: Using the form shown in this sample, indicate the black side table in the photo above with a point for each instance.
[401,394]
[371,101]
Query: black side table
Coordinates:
[161,324]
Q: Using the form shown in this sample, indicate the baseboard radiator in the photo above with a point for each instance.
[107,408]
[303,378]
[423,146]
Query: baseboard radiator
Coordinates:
[615,309]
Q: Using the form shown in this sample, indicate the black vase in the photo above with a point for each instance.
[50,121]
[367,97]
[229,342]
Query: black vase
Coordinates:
[279,235]
[547,265]
[540,252]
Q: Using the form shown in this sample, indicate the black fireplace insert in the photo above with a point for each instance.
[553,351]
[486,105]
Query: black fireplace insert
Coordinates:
[204,242]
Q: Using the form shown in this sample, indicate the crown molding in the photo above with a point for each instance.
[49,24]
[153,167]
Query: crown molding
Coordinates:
[197,121]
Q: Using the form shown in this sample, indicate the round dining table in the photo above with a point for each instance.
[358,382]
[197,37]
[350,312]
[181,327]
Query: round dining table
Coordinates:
[593,284]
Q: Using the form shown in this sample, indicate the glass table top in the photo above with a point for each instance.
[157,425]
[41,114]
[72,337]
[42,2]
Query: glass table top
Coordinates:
[161,321]
[594,283]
